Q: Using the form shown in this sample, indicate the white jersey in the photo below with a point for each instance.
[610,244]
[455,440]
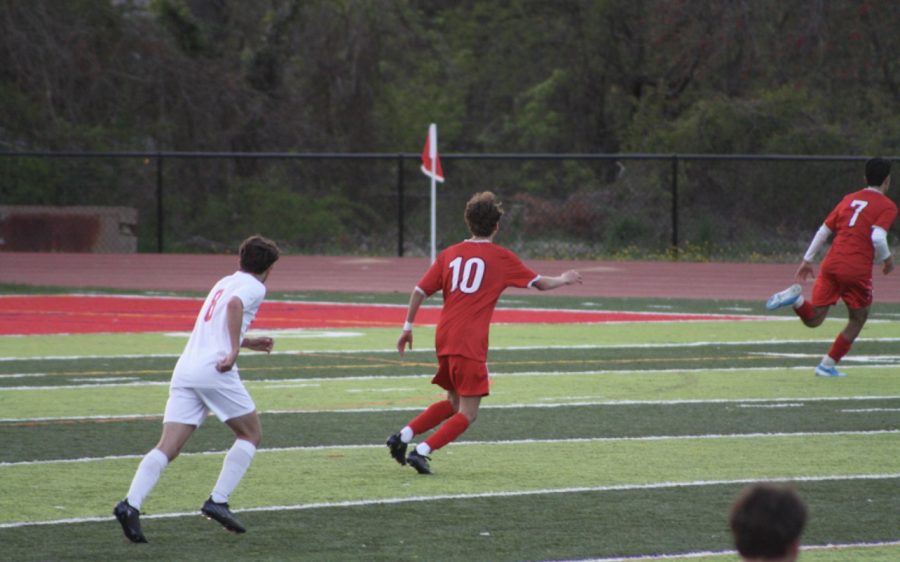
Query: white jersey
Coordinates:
[209,342]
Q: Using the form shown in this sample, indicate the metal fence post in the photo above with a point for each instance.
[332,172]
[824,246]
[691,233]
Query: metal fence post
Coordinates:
[675,206]
[159,202]
[400,212]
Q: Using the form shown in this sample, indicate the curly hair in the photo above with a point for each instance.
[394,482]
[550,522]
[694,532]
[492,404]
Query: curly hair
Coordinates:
[483,212]
[258,254]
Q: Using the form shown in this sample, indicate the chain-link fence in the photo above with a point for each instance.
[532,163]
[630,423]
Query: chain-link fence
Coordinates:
[565,206]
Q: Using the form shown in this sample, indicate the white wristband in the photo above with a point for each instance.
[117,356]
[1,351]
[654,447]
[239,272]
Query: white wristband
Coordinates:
[407,326]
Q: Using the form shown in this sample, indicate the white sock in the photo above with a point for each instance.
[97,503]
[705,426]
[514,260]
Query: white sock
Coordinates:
[406,434]
[799,302]
[146,477]
[237,461]
[828,362]
[423,448]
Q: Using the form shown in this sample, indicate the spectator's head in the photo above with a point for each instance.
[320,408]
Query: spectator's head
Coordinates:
[258,254]
[483,214]
[877,170]
[767,521]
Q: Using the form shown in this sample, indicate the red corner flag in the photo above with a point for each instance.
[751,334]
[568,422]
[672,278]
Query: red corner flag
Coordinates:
[431,162]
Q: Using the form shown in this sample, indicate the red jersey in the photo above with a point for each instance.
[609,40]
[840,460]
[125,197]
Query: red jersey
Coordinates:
[852,221]
[472,275]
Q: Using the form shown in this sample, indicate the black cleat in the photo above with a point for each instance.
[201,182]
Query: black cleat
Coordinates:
[130,519]
[220,512]
[419,462]
[397,447]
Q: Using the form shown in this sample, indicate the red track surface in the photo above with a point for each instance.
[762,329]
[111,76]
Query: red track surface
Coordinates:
[187,272]
[162,272]
[68,314]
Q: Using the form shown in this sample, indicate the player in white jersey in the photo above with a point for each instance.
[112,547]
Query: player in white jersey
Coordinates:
[206,380]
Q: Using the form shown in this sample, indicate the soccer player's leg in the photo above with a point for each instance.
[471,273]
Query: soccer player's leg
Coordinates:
[184,413]
[471,380]
[857,316]
[235,407]
[430,418]
[433,416]
[825,293]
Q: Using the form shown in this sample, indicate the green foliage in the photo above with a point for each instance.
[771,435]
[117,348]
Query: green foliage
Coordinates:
[268,205]
[175,16]
[782,121]
[609,76]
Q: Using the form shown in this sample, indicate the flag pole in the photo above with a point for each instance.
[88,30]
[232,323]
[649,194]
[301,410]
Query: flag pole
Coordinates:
[432,150]
[431,166]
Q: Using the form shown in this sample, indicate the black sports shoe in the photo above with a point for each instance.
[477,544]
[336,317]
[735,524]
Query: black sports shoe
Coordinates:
[220,512]
[419,462]
[397,447]
[130,519]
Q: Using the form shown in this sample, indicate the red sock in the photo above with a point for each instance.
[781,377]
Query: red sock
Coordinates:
[431,417]
[839,348]
[805,311]
[449,431]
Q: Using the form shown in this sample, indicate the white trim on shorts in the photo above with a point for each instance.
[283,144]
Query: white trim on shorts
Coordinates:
[192,405]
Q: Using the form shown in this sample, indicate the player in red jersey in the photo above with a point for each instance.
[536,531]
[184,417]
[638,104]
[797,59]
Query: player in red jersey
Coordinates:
[859,223]
[471,276]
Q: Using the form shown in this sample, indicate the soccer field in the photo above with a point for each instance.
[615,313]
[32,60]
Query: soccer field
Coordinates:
[600,440]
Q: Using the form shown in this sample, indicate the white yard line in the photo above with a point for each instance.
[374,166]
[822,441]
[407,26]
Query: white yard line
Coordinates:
[493,374]
[510,494]
[711,436]
[430,351]
[708,554]
[741,402]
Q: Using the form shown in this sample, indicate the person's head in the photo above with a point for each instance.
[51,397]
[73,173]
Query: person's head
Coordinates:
[767,521]
[877,171]
[257,255]
[483,214]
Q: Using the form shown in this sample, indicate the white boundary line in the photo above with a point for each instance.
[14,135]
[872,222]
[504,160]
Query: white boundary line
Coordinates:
[510,494]
[711,553]
[710,436]
[493,374]
[429,351]
[503,406]
[548,405]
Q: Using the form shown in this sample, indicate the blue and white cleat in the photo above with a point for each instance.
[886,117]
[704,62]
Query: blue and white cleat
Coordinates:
[823,371]
[786,297]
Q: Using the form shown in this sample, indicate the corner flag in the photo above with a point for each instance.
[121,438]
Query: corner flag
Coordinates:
[431,161]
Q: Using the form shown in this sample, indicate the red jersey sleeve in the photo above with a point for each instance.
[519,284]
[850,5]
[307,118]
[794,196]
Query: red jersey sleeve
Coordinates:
[885,218]
[433,279]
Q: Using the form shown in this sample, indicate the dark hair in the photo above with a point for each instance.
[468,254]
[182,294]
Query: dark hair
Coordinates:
[483,212]
[766,520]
[877,169]
[258,254]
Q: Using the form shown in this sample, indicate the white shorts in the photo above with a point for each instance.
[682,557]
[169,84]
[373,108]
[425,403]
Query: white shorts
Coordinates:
[191,405]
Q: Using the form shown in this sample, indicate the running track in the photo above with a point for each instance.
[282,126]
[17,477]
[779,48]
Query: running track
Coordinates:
[186,272]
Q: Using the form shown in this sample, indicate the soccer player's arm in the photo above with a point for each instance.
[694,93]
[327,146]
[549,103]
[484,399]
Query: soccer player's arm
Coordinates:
[880,241]
[882,250]
[805,271]
[546,283]
[234,314]
[416,299]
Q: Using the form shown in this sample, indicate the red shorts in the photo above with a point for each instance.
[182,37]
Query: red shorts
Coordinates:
[462,375]
[853,287]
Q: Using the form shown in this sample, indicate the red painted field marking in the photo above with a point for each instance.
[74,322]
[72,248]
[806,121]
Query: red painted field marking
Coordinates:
[87,314]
